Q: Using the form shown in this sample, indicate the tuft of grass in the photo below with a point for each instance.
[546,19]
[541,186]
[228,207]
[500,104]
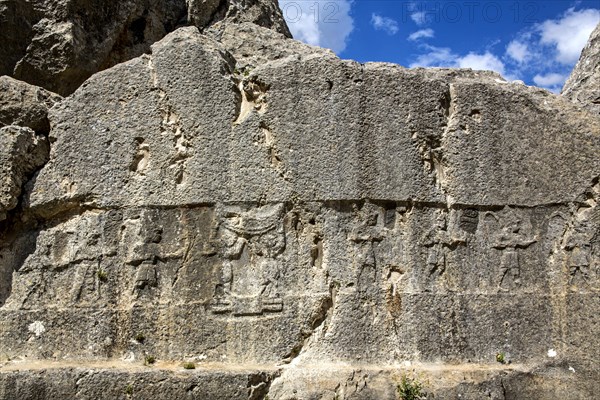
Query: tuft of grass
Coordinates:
[129,390]
[140,338]
[189,365]
[411,389]
[149,360]
[501,358]
[102,275]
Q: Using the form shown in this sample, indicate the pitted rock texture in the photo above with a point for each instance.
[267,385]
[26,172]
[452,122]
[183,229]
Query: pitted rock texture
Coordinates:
[583,86]
[252,46]
[263,13]
[25,105]
[22,152]
[58,45]
[171,381]
[310,128]
[304,227]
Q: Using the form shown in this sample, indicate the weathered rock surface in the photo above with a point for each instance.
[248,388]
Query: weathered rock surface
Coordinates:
[25,105]
[22,152]
[583,86]
[59,44]
[304,227]
[263,13]
[252,46]
[119,380]
[313,128]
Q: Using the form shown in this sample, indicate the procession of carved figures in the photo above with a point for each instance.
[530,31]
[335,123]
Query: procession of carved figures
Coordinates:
[247,258]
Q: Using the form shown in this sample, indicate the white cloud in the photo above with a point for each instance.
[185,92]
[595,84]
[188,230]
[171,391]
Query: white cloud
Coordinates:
[569,34]
[518,51]
[384,24]
[435,57]
[485,61]
[551,81]
[419,17]
[549,50]
[322,23]
[444,57]
[423,33]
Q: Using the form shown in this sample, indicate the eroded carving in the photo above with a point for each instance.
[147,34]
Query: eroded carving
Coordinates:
[469,220]
[69,255]
[578,244]
[579,249]
[510,233]
[250,243]
[439,240]
[366,235]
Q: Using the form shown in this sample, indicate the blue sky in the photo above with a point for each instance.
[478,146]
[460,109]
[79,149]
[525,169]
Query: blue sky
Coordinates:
[537,42]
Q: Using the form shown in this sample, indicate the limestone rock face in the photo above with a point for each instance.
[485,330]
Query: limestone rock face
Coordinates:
[22,151]
[59,44]
[25,105]
[583,86]
[264,13]
[303,227]
[252,46]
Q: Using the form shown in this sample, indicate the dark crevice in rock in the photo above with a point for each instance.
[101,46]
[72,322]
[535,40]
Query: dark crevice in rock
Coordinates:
[19,225]
[503,388]
[62,210]
[17,238]
[17,23]
[259,385]
[218,14]
[320,320]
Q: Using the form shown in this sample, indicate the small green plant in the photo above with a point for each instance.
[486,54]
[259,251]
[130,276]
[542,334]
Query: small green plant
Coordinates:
[102,275]
[501,358]
[149,360]
[129,390]
[189,365]
[140,338]
[411,389]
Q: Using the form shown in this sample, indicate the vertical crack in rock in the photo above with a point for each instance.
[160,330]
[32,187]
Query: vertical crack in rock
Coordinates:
[432,142]
[23,153]
[436,149]
[259,385]
[170,126]
[321,319]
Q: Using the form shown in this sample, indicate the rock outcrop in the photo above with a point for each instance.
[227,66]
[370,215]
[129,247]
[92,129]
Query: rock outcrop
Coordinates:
[583,86]
[59,44]
[22,152]
[297,226]
[25,105]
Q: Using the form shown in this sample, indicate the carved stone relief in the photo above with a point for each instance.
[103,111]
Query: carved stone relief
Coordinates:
[249,243]
[510,233]
[440,239]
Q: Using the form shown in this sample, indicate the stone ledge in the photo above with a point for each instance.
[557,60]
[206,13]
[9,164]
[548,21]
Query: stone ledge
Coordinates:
[116,379]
